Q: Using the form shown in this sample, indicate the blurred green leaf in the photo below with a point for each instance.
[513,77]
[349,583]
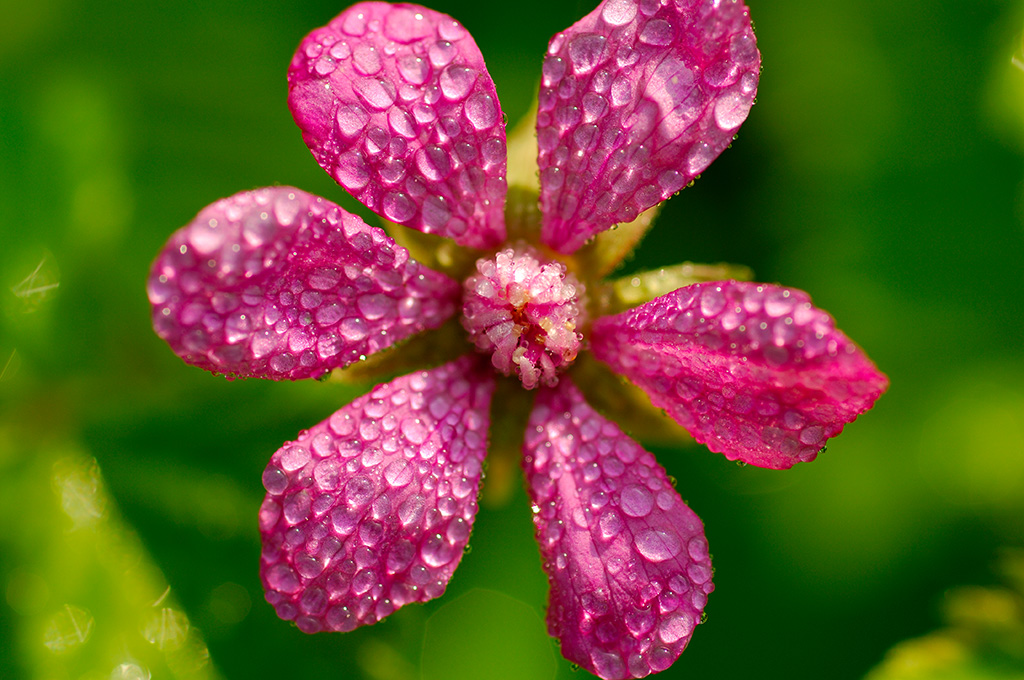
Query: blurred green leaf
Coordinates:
[983,638]
[86,598]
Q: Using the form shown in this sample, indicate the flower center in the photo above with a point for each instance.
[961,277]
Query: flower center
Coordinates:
[526,313]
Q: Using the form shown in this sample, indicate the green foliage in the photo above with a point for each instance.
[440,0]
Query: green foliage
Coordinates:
[86,599]
[983,638]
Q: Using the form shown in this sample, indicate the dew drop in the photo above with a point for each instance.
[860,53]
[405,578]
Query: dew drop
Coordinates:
[586,51]
[294,458]
[373,306]
[359,490]
[441,53]
[619,12]
[657,32]
[636,501]
[657,545]
[435,212]
[434,163]
[456,82]
[621,90]
[610,524]
[698,573]
[553,70]
[352,171]
[327,474]
[699,157]
[712,301]
[675,627]
[354,23]
[594,106]
[732,109]
[405,24]
[377,94]
[400,556]
[282,578]
[351,119]
[370,532]
[340,50]
[436,552]
[401,123]
[481,111]
[398,208]
[366,59]
[398,473]
[698,550]
[414,430]
[414,70]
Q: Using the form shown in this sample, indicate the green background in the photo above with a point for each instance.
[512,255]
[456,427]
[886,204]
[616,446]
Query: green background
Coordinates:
[881,170]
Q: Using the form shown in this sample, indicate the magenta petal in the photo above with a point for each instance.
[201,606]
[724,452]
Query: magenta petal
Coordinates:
[627,559]
[636,100]
[750,369]
[371,509]
[276,283]
[396,104]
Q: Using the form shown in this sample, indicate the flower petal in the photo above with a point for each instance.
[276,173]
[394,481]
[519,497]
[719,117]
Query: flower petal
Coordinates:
[277,283]
[750,369]
[397,106]
[636,100]
[627,559]
[371,509]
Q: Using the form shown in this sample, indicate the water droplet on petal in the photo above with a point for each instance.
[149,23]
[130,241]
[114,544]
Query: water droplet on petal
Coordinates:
[712,301]
[657,545]
[275,481]
[675,627]
[436,552]
[414,70]
[414,430]
[553,70]
[353,329]
[637,501]
[378,94]
[351,119]
[359,490]
[366,59]
[657,32]
[411,510]
[481,111]
[374,306]
[732,109]
[619,12]
[354,23]
[401,123]
[406,24]
[398,473]
[352,171]
[434,163]
[398,207]
[586,51]
[294,457]
[456,82]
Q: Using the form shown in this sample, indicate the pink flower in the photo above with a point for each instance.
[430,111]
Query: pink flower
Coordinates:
[371,509]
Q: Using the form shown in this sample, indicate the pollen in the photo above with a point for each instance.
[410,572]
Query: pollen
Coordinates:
[526,313]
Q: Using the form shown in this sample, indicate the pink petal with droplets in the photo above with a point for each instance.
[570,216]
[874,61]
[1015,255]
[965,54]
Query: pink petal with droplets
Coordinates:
[371,509]
[750,369]
[626,557]
[396,104]
[276,283]
[636,100]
